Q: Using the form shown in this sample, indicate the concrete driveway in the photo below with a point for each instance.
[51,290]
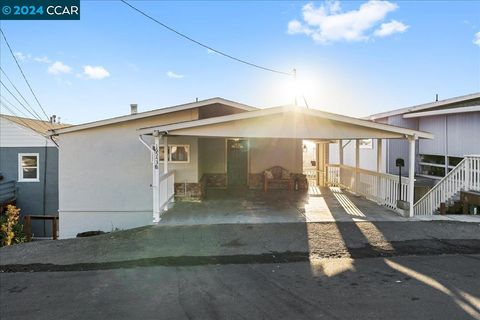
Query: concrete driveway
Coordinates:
[277,206]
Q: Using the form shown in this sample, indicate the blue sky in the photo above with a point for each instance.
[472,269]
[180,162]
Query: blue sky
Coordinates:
[354,58]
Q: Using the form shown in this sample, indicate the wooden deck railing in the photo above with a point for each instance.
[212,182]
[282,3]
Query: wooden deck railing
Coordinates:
[8,191]
[382,188]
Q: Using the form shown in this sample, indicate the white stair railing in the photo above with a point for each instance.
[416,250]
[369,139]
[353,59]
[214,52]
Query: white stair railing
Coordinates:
[465,176]
[382,188]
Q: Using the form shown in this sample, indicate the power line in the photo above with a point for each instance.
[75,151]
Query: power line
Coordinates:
[204,45]
[3,100]
[305,100]
[19,118]
[21,95]
[23,74]
[36,116]
[43,123]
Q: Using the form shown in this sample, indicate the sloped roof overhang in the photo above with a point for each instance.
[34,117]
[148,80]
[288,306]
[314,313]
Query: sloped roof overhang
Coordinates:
[287,122]
[155,112]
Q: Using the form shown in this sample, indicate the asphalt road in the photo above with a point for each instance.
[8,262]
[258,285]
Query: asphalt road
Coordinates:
[162,245]
[407,287]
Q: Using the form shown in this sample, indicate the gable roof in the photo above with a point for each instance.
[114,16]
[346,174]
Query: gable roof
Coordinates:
[425,106]
[156,112]
[270,112]
[39,126]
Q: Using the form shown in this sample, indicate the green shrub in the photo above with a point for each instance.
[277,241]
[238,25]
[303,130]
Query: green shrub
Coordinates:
[11,231]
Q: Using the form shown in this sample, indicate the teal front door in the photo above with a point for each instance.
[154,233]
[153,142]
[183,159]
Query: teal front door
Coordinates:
[237,163]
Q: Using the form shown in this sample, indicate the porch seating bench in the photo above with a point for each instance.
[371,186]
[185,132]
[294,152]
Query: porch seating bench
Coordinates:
[277,174]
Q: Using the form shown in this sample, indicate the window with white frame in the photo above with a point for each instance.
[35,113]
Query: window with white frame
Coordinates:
[177,153]
[28,167]
[434,165]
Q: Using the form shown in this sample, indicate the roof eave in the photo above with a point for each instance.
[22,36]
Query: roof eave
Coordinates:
[423,106]
[155,112]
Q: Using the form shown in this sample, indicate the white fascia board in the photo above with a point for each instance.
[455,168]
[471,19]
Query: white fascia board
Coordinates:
[277,110]
[151,113]
[203,122]
[424,106]
[443,111]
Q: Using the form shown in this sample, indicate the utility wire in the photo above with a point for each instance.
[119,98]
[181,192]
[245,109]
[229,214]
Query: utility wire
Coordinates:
[5,101]
[43,123]
[21,95]
[19,118]
[15,97]
[23,74]
[204,45]
[305,100]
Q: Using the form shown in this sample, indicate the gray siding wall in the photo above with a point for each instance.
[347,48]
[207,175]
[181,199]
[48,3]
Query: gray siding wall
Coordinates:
[435,125]
[462,134]
[368,157]
[30,194]
[398,148]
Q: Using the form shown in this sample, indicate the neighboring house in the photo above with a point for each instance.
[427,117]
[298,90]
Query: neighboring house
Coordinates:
[113,173]
[454,122]
[29,163]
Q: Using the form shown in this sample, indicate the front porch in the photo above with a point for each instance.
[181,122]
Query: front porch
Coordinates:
[238,150]
[244,206]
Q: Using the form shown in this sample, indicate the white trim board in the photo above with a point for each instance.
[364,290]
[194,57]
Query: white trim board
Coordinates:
[442,111]
[424,106]
[155,112]
[283,110]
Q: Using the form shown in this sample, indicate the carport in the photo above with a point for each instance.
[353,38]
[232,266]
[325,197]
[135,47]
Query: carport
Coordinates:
[289,123]
[319,204]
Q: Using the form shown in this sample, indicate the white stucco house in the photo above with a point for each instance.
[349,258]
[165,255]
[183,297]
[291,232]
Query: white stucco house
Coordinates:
[115,173]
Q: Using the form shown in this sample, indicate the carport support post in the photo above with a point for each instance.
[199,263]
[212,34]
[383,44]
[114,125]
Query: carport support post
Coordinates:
[156,177]
[379,192]
[340,160]
[411,173]
[379,155]
[165,154]
[357,164]
[340,152]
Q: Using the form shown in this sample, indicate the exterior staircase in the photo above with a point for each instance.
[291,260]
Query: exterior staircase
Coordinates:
[464,177]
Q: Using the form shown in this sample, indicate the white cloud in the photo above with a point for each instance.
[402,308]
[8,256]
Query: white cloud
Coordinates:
[390,28]
[43,59]
[329,23]
[476,40]
[59,67]
[174,75]
[97,72]
[20,56]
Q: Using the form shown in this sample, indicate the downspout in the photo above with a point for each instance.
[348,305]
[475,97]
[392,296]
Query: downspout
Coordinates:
[446,145]
[45,188]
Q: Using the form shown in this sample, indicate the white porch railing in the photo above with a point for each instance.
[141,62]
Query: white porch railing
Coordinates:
[314,176]
[382,188]
[164,194]
[465,176]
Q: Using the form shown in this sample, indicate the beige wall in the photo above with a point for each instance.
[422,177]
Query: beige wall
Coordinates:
[211,156]
[107,169]
[265,153]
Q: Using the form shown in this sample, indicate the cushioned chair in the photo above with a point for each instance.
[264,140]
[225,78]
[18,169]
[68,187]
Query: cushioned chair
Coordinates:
[277,175]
